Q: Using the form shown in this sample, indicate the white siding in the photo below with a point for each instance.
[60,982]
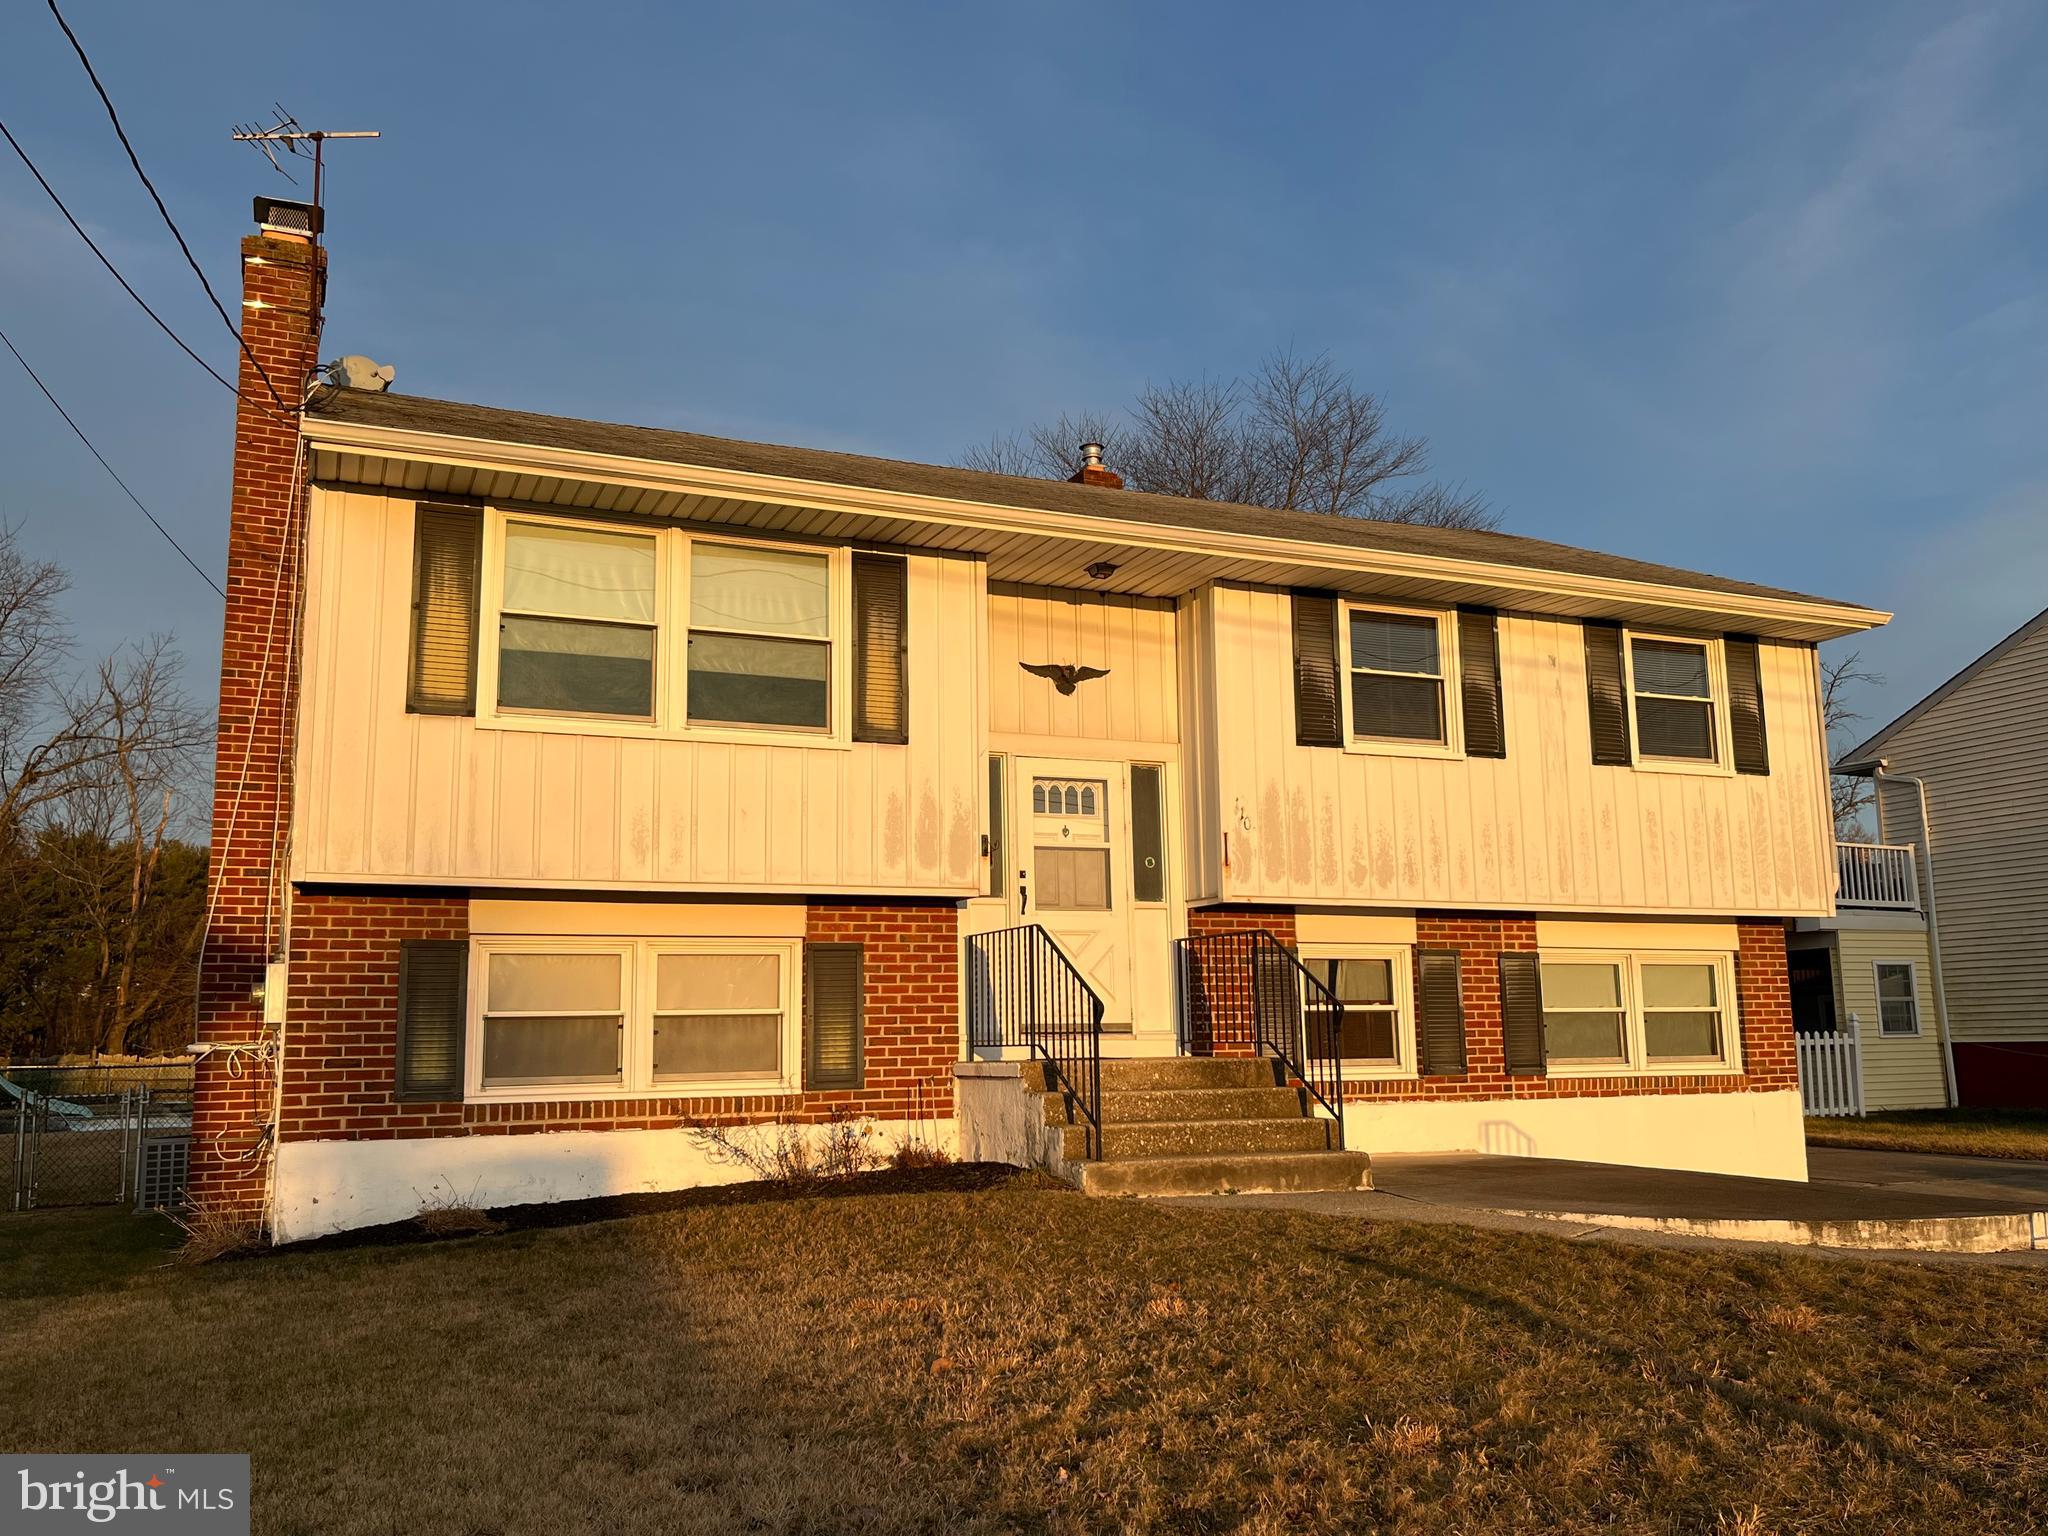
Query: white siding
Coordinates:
[388,795]
[1542,829]
[1132,638]
[1982,751]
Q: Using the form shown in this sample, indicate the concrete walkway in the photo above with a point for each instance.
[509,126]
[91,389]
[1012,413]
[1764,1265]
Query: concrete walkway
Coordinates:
[1884,1201]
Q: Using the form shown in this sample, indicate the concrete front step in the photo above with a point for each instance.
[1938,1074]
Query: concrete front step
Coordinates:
[1169,1138]
[1135,1074]
[1241,1173]
[1189,1104]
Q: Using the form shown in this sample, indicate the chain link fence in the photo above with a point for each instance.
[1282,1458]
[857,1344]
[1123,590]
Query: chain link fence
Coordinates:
[109,1134]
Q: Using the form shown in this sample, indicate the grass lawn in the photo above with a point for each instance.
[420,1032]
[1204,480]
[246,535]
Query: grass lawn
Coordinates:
[1976,1132]
[1017,1358]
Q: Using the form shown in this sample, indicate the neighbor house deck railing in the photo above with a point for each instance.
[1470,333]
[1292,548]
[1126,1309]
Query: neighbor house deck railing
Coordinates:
[1876,875]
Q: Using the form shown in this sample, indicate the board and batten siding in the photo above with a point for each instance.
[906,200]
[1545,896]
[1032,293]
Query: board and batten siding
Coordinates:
[1542,829]
[387,795]
[1982,751]
[1132,638]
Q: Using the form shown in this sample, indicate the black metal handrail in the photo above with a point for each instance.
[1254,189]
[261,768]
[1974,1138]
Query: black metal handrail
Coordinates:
[1247,990]
[1022,990]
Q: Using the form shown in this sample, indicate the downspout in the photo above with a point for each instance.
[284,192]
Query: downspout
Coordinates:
[1948,1048]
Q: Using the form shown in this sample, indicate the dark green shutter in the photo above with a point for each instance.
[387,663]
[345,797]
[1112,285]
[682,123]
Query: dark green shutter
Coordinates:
[1479,682]
[833,1016]
[1606,693]
[1746,706]
[1318,711]
[993,847]
[1440,1014]
[881,639]
[433,1017]
[1521,1010]
[448,545]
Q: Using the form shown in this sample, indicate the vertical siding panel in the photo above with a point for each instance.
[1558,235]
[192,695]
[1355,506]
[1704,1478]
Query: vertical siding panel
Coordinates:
[596,809]
[861,823]
[388,593]
[823,815]
[639,842]
[518,805]
[751,809]
[786,782]
[713,836]
[556,787]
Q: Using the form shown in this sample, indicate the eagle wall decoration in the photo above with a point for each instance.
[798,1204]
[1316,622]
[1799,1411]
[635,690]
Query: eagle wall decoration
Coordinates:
[1063,676]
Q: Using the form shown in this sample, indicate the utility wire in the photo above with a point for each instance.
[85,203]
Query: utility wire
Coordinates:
[126,286]
[159,527]
[169,223]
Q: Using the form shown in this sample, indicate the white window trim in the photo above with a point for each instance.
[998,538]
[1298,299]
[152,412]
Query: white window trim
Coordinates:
[671,639]
[1453,744]
[1913,996]
[1635,1049]
[1402,959]
[1722,764]
[638,957]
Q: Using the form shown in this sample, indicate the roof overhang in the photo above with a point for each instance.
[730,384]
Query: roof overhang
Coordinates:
[1037,547]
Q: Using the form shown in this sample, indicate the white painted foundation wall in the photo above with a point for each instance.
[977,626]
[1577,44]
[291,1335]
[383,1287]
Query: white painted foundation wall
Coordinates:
[335,1186]
[1757,1134]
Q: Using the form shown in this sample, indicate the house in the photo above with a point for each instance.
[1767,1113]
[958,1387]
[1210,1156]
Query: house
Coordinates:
[580,784]
[1865,1002]
[1957,781]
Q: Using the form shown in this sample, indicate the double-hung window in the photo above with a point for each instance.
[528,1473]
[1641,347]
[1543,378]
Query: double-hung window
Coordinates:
[1375,1026]
[1400,677]
[1671,684]
[590,1017]
[577,622]
[1643,1012]
[1898,1006]
[760,637]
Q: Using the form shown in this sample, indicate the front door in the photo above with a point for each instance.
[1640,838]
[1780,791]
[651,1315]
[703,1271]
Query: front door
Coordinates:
[1073,870]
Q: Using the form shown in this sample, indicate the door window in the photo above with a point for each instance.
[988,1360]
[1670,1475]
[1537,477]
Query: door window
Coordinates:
[1070,844]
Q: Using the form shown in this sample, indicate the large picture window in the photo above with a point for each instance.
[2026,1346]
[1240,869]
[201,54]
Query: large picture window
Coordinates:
[760,627]
[583,1017]
[1642,1012]
[576,626]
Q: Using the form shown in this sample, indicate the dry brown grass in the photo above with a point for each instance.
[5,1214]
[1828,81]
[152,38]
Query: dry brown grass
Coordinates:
[213,1231]
[1026,1359]
[2019,1133]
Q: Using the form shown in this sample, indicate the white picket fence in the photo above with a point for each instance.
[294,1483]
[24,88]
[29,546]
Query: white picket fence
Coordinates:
[1831,1072]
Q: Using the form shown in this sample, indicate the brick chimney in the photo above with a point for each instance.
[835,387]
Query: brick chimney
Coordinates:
[284,273]
[1092,471]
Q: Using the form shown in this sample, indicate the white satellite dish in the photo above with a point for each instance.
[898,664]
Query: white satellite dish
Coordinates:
[358,372]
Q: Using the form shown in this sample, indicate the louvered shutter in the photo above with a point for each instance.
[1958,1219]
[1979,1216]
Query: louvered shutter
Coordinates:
[1521,1010]
[1746,706]
[832,1016]
[1606,694]
[881,635]
[1318,712]
[433,1017]
[1440,1014]
[447,556]
[1479,682]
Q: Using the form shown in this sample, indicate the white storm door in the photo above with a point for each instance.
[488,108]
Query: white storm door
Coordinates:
[1073,869]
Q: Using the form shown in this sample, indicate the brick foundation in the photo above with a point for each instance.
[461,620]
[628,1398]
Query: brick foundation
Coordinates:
[341,1060]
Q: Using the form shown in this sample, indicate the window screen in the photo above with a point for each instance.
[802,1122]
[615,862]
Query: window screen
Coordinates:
[1583,1019]
[759,622]
[577,622]
[1397,688]
[1365,987]
[1674,699]
[717,1016]
[553,1019]
[1681,1012]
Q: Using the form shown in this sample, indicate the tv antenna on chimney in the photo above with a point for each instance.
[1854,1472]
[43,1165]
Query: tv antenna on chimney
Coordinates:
[306,143]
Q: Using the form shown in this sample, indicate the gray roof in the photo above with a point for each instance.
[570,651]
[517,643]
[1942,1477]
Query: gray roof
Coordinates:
[1865,756]
[415,414]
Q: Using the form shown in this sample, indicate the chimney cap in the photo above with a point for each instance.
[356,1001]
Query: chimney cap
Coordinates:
[278,216]
[1091,455]
[1093,471]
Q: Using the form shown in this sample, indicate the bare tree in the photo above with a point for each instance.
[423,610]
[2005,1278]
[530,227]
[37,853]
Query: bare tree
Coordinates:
[1850,793]
[1297,432]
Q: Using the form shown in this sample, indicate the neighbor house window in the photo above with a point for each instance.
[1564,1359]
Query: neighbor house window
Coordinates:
[1671,684]
[576,623]
[1375,1032]
[760,637]
[553,1019]
[1641,1012]
[636,1016]
[1898,1006]
[1399,682]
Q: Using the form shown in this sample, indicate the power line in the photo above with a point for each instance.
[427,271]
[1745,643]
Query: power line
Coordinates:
[126,286]
[169,223]
[159,527]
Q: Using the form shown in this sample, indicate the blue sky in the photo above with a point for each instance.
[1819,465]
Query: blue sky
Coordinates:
[1756,289]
